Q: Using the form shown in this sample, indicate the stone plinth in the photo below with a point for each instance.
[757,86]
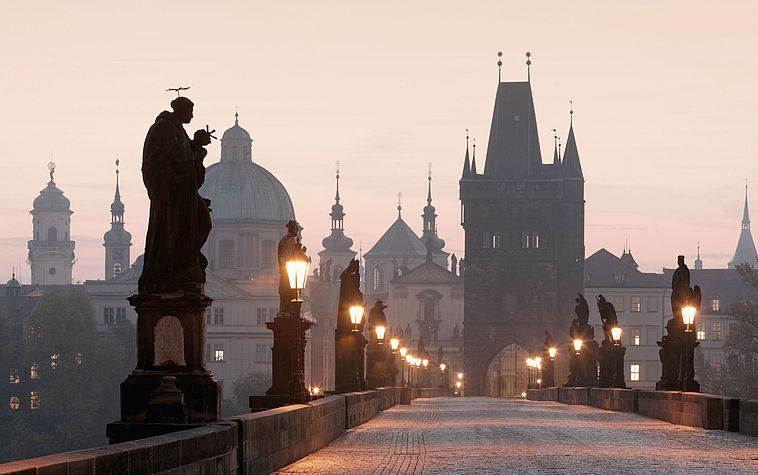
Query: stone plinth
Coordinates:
[376,357]
[348,361]
[285,354]
[170,343]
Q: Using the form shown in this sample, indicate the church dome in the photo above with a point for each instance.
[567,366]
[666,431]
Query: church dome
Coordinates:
[51,199]
[242,190]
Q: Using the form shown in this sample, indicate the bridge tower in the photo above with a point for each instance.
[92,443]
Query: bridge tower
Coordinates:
[524,237]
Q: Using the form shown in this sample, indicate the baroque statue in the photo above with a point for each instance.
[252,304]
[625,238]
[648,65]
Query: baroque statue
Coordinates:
[173,171]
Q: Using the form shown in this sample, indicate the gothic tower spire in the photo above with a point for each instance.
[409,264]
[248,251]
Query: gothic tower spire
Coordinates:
[745,251]
[429,233]
[337,253]
[117,240]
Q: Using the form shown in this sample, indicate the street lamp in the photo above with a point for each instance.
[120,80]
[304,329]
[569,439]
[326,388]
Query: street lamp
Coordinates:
[356,313]
[394,344]
[380,334]
[577,346]
[460,375]
[552,352]
[403,351]
[616,333]
[688,316]
[297,271]
[425,363]
[442,367]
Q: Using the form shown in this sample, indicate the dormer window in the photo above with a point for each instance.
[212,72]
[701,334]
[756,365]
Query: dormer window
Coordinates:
[619,277]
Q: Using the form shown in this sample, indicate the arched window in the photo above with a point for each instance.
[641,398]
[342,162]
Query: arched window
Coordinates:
[378,278]
[116,268]
[226,253]
[52,234]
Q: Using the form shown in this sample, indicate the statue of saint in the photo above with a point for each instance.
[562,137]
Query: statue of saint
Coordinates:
[682,295]
[608,317]
[376,317]
[350,295]
[173,171]
[289,247]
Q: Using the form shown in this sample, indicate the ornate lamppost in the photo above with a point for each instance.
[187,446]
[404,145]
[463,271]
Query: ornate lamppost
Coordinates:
[690,342]
[297,271]
[356,314]
[403,362]
[391,362]
[443,369]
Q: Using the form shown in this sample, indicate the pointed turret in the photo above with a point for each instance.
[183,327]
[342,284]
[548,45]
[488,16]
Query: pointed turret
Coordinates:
[745,246]
[556,158]
[572,167]
[466,163]
[513,150]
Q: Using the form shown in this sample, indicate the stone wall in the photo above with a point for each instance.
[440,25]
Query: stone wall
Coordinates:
[691,409]
[246,444]
[748,417]
[574,395]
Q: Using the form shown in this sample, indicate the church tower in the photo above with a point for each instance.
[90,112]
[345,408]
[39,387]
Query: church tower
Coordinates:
[118,240]
[524,240]
[336,255]
[745,251]
[51,250]
[429,233]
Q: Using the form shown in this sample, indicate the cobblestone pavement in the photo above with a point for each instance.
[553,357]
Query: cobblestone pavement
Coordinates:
[489,435]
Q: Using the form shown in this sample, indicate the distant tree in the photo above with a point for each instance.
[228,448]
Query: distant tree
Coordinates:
[76,369]
[738,376]
[254,384]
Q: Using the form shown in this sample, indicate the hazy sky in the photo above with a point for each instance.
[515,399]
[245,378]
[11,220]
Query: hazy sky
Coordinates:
[664,93]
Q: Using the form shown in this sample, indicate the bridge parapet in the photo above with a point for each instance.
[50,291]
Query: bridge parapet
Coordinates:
[692,409]
[260,442]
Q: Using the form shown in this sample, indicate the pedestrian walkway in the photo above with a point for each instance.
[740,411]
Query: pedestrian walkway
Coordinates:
[492,435]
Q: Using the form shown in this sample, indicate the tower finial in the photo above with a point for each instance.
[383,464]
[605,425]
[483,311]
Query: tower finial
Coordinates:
[51,167]
[236,116]
[528,67]
[499,64]
[571,112]
[337,196]
[118,194]
[399,203]
[467,138]
[429,192]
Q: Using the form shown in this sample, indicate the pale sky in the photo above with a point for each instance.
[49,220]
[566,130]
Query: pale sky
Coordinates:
[664,93]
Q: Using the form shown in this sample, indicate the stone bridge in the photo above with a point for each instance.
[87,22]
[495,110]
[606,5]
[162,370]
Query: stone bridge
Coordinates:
[397,430]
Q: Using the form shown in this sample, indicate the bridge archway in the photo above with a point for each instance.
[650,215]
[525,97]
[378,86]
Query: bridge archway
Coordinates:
[506,374]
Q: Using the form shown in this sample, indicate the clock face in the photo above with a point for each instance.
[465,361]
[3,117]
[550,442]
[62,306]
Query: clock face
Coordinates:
[118,254]
[51,271]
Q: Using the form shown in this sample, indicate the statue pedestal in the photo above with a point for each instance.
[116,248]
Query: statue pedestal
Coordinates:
[672,349]
[170,343]
[285,357]
[612,367]
[375,366]
[548,371]
[688,383]
[348,361]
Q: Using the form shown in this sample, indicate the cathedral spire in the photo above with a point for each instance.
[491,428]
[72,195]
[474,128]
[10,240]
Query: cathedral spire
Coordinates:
[698,261]
[745,251]
[117,240]
[556,154]
[337,245]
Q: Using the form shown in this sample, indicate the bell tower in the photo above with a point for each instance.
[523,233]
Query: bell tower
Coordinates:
[117,241]
[51,250]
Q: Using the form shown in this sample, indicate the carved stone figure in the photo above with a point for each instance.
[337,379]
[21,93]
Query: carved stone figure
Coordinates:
[376,317]
[173,171]
[548,341]
[350,294]
[608,317]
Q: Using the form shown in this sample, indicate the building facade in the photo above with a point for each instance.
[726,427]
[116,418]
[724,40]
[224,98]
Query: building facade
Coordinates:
[524,228]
